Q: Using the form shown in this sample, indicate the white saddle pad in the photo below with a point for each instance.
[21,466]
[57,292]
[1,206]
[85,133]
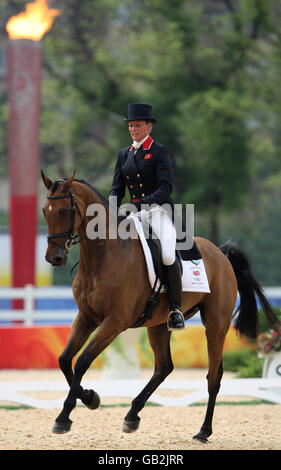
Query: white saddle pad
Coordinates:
[194,277]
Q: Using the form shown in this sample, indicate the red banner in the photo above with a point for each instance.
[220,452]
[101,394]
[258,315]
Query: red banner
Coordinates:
[39,347]
[32,348]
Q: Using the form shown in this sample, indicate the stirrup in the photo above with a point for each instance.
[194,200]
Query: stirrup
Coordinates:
[181,321]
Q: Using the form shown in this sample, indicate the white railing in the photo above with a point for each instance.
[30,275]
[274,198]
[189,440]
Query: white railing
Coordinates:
[29,294]
[263,389]
[29,314]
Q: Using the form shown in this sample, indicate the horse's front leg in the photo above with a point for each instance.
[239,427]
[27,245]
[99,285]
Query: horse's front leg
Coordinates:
[79,333]
[106,333]
[159,338]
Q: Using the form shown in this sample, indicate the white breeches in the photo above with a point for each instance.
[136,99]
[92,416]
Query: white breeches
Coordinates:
[164,229]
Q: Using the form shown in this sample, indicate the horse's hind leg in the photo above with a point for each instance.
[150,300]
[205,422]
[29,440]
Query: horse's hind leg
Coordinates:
[215,342]
[159,338]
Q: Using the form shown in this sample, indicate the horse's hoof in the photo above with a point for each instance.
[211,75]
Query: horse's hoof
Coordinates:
[199,437]
[61,428]
[91,399]
[130,426]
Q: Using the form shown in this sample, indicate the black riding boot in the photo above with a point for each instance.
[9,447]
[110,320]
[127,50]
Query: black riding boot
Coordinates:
[174,290]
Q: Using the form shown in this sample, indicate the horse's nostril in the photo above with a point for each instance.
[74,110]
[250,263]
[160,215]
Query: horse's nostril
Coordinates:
[57,260]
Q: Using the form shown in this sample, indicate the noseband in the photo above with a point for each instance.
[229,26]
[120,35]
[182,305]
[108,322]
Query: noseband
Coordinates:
[72,238]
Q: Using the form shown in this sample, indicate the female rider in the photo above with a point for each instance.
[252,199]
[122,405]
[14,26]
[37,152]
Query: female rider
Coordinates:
[145,168]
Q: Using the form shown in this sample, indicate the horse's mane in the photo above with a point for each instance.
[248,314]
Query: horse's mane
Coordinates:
[101,196]
[97,193]
[103,199]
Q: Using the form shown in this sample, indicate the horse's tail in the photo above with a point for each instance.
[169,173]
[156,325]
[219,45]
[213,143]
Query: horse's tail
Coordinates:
[247,321]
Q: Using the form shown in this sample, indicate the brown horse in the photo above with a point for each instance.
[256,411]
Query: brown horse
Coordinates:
[111,288]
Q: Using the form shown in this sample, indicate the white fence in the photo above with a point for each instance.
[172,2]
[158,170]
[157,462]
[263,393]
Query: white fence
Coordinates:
[29,294]
[263,389]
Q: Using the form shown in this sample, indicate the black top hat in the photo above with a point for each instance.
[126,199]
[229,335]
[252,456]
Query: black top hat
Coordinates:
[140,112]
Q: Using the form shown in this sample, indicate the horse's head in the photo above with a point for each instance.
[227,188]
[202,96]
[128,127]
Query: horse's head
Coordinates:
[63,217]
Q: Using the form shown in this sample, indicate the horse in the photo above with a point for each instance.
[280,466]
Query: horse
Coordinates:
[111,288]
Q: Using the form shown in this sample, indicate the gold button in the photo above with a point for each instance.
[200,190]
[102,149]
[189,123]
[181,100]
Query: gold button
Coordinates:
[141,185]
[138,175]
[128,177]
[131,186]
[142,195]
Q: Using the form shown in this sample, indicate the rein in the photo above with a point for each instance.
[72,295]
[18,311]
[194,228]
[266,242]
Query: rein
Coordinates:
[72,238]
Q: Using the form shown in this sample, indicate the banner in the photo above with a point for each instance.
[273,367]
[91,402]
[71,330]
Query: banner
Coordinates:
[39,347]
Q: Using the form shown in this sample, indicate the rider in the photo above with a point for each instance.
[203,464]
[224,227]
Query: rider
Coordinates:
[145,168]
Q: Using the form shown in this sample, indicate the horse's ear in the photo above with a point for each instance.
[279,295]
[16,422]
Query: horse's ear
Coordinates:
[47,182]
[68,183]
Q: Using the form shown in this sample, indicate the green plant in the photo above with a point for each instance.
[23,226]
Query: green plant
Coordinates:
[263,322]
[234,360]
[252,369]
[244,362]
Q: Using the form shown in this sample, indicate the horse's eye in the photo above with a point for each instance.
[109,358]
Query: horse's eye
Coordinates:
[64,212]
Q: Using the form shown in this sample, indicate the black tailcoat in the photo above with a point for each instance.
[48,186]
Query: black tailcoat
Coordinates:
[148,174]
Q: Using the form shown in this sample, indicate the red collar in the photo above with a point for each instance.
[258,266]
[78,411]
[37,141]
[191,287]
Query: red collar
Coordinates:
[146,145]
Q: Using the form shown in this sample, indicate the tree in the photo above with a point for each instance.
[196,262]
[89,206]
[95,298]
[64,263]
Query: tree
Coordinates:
[81,68]
[211,54]
[217,170]
[210,68]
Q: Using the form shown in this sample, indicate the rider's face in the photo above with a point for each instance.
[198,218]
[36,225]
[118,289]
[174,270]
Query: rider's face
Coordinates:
[139,129]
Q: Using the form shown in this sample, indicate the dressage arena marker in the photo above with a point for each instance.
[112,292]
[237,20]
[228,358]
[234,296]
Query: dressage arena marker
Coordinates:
[265,389]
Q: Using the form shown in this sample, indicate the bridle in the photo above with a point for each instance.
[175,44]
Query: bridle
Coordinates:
[72,238]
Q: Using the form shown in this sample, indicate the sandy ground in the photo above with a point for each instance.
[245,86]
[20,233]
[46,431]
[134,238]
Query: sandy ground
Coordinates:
[235,427]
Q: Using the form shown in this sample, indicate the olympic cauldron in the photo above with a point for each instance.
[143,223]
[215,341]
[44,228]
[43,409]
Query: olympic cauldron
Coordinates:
[24,76]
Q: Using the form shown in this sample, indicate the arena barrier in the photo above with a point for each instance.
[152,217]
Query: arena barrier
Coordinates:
[263,389]
[32,312]
[40,337]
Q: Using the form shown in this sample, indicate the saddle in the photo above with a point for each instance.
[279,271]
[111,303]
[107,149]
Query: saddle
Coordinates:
[156,254]
[155,249]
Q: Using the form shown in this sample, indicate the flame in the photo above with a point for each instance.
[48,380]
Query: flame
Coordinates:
[33,23]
